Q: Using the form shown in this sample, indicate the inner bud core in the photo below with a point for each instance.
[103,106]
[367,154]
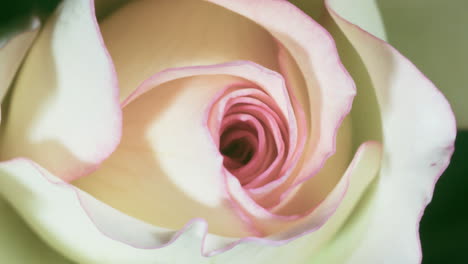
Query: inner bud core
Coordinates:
[253,136]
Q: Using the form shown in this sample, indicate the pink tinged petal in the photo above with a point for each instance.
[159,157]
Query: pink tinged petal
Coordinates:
[329,88]
[177,159]
[312,192]
[13,48]
[145,37]
[65,98]
[58,213]
[418,130]
[278,138]
[303,208]
[66,218]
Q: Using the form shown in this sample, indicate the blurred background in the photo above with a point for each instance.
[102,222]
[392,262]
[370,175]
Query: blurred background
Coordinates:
[415,28]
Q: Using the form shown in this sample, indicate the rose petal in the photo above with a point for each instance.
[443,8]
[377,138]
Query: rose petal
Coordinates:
[308,212]
[313,192]
[65,98]
[145,37]
[13,48]
[54,209]
[328,86]
[177,159]
[418,132]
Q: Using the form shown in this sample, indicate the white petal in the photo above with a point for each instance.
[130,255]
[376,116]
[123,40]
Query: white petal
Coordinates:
[310,248]
[418,132]
[54,210]
[65,98]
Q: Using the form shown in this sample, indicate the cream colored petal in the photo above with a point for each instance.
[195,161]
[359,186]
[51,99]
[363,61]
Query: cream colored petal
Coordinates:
[145,37]
[167,170]
[308,248]
[65,98]
[326,89]
[55,212]
[54,209]
[418,133]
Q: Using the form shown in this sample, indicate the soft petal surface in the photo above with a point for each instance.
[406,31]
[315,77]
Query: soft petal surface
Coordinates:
[418,133]
[325,92]
[13,47]
[135,61]
[177,174]
[65,98]
[307,248]
[435,39]
[54,209]
[146,37]
[55,212]
[322,89]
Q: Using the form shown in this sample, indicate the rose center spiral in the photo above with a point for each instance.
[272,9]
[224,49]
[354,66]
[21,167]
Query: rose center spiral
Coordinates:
[253,137]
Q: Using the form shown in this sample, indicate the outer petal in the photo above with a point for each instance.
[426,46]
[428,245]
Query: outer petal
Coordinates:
[54,209]
[418,132]
[13,49]
[65,99]
[307,249]
[435,39]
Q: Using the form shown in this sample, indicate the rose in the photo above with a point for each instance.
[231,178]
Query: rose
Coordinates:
[322,229]
[54,207]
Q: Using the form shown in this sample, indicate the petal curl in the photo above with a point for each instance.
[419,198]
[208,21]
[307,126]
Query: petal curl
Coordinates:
[146,37]
[77,225]
[178,160]
[54,209]
[418,129]
[65,98]
[328,87]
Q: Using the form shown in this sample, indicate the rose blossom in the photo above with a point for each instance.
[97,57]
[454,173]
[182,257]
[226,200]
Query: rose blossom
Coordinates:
[218,132]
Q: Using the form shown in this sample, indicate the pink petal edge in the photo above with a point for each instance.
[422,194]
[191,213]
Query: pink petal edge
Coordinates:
[453,128]
[327,154]
[195,221]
